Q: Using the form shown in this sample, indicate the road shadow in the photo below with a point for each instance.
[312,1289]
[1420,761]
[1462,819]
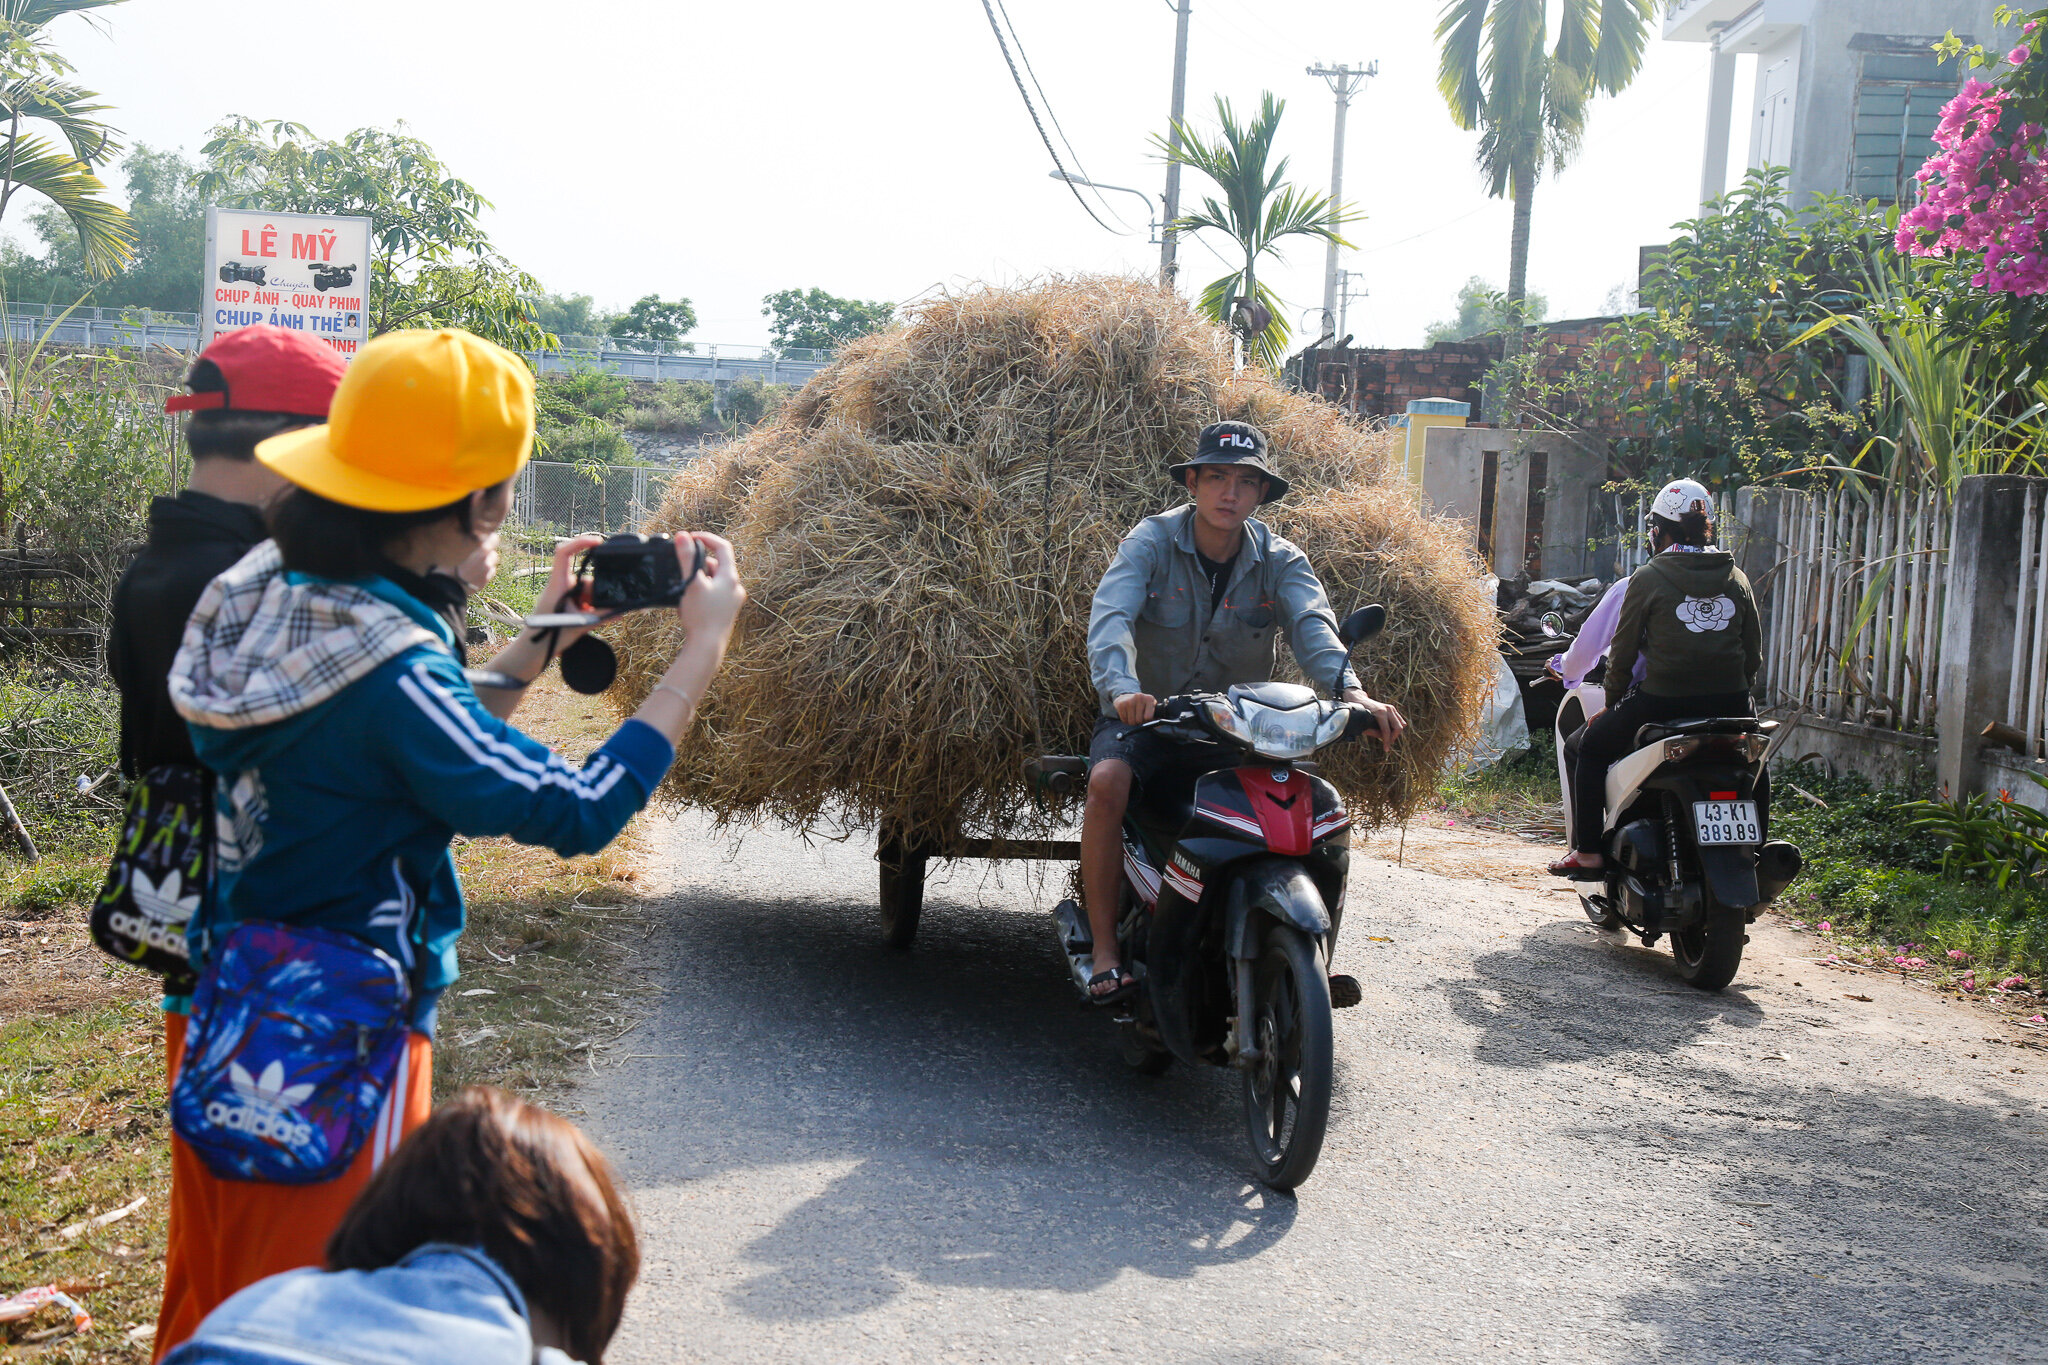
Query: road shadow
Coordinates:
[1855,1221]
[998,1140]
[1849,1225]
[1569,993]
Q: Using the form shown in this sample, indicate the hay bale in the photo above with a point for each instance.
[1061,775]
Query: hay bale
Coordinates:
[922,529]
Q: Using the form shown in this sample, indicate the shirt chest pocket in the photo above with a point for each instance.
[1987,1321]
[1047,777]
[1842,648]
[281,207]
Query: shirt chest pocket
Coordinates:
[1165,608]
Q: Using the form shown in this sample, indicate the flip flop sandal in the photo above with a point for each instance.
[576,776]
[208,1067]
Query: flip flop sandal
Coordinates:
[1573,871]
[1127,985]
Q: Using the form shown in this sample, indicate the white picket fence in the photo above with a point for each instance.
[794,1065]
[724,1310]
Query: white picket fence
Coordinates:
[2027,703]
[1854,606]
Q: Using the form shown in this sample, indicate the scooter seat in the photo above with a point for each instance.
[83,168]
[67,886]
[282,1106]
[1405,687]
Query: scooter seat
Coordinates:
[1703,725]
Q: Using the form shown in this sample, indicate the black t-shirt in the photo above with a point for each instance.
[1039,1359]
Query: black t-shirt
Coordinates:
[1219,577]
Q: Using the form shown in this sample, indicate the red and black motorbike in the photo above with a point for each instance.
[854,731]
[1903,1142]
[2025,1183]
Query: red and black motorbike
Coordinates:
[1232,897]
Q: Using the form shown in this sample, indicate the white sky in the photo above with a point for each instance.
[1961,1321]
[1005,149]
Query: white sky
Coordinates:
[879,150]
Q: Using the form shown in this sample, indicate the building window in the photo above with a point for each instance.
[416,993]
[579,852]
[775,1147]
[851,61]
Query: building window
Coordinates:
[1898,103]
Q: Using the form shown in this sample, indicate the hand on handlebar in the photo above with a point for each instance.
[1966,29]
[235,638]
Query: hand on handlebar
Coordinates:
[1388,722]
[1135,708]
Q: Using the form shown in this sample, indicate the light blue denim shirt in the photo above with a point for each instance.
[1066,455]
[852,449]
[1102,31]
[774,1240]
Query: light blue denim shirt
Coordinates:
[1151,629]
[441,1303]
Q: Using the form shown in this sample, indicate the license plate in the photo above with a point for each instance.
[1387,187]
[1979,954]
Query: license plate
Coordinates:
[1727,822]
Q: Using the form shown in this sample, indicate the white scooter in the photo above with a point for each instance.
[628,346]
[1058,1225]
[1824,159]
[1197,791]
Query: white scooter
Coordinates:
[1687,850]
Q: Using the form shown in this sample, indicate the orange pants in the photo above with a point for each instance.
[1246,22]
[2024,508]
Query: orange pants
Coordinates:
[227,1234]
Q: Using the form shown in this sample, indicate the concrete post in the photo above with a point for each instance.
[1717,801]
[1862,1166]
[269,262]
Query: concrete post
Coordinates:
[1720,115]
[1976,624]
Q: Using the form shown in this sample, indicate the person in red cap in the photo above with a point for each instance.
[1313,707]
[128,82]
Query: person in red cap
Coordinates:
[249,385]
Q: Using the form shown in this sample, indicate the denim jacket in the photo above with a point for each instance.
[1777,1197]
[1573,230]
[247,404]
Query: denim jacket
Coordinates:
[443,1303]
[1151,629]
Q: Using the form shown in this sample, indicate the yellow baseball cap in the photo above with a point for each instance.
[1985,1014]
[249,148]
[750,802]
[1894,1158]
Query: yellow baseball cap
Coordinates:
[420,419]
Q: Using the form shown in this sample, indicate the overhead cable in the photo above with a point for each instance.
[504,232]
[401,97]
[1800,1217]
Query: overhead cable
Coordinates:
[1011,62]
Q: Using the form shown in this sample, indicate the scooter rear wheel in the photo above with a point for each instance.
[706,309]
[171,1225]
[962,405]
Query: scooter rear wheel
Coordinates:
[1287,1091]
[1709,954]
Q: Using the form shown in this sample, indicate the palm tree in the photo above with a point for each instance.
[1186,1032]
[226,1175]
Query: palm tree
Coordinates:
[1257,211]
[1500,74]
[32,86]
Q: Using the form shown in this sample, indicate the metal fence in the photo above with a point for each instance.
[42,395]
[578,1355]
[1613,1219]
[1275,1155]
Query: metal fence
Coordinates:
[1854,601]
[567,499]
[143,328]
[2027,704]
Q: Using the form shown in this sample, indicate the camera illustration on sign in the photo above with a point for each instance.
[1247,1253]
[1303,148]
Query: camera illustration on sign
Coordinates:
[301,271]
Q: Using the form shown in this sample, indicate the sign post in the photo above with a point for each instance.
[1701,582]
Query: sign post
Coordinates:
[308,272]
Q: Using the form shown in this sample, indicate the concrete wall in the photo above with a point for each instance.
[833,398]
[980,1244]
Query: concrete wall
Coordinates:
[1829,70]
[1884,758]
[1453,480]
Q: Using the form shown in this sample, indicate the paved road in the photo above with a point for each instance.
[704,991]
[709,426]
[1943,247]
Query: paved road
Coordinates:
[1544,1147]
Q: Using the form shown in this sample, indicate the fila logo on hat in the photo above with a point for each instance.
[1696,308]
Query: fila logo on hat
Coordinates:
[1237,440]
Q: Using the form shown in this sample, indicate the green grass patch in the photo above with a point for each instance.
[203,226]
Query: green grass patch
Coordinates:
[1518,794]
[1876,881]
[83,1134]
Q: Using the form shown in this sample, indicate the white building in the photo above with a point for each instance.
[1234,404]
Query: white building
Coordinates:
[1847,91]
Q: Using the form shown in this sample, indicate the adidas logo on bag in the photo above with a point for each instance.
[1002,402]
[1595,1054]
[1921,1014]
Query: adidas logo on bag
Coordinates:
[270,1107]
[148,933]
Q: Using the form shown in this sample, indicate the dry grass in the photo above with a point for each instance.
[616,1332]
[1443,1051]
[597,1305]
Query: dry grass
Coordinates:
[922,530]
[82,1125]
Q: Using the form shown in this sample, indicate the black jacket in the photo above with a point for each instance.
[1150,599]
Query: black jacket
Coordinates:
[192,538]
[1693,614]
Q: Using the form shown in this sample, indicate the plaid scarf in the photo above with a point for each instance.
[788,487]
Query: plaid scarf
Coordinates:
[259,649]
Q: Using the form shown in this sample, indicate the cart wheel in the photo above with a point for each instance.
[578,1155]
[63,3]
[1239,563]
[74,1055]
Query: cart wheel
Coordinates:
[902,892]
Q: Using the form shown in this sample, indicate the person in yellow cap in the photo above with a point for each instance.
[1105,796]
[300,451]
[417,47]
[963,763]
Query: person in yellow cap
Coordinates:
[322,681]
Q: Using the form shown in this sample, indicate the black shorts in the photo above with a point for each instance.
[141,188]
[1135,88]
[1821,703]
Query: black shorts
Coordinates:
[1157,764]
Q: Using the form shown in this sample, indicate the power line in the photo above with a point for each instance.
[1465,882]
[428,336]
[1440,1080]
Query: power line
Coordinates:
[1053,118]
[1032,109]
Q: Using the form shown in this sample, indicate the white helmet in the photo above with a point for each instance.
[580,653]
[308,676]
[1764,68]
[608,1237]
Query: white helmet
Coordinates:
[1681,496]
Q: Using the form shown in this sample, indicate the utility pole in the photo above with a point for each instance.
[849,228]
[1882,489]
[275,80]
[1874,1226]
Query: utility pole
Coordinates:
[1347,290]
[1343,82]
[1169,239]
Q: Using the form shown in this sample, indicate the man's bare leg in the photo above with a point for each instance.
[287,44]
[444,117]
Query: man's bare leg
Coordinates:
[1102,820]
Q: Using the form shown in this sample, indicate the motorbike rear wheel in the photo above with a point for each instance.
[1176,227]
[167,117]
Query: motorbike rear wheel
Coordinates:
[902,892]
[1709,953]
[1287,1091]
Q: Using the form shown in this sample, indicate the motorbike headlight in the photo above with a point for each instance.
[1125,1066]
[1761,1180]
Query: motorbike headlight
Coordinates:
[1284,734]
[1333,726]
[1224,717]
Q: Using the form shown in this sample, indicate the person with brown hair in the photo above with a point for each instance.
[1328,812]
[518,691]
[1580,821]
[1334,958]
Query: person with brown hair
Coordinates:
[494,1234]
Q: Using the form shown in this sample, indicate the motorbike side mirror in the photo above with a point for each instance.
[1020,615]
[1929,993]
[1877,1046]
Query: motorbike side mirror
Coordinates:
[1362,625]
[1553,623]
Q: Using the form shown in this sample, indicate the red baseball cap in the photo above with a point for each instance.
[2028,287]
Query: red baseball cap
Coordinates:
[267,369]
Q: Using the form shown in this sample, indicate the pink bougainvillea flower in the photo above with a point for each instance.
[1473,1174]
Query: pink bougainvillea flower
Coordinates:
[1958,955]
[2018,55]
[1969,983]
[2036,1019]
[2013,983]
[1826,928]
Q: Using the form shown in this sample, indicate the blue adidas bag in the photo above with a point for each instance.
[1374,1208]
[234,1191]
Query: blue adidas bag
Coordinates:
[294,1037]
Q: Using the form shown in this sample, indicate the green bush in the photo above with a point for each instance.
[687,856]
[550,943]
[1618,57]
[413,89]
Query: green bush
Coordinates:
[679,406]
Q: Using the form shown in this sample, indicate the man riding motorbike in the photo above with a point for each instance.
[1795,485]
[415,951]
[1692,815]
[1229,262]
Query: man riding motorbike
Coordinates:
[1195,600]
[1682,639]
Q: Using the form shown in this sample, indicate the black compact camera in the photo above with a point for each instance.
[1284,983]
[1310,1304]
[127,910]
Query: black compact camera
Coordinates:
[628,572]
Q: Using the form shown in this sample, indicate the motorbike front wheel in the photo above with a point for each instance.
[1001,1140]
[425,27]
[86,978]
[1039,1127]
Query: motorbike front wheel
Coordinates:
[1709,953]
[1287,1090]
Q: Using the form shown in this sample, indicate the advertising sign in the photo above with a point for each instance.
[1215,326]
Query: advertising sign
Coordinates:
[308,272]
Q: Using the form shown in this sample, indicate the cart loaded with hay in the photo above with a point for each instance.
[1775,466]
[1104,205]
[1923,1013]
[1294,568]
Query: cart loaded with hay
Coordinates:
[922,531]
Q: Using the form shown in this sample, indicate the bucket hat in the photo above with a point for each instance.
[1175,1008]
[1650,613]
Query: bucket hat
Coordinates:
[1233,443]
[421,419]
[264,368]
